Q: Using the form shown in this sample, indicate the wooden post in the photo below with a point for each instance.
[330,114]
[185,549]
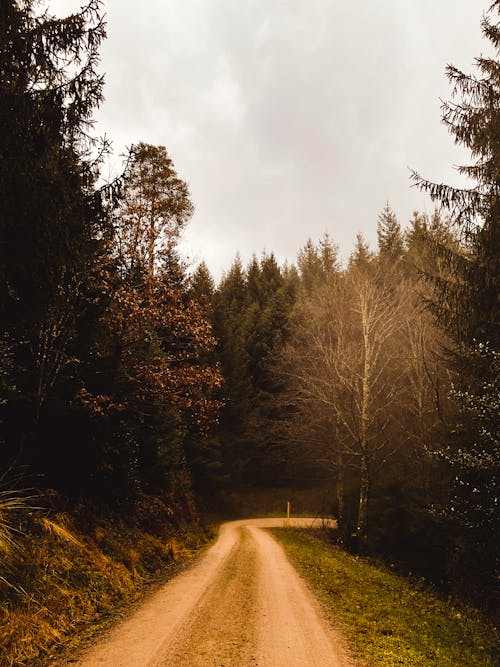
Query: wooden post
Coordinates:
[288,514]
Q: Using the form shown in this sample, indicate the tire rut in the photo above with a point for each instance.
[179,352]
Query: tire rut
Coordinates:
[241,605]
[225,619]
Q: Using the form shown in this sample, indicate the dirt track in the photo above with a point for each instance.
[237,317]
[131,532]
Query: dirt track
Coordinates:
[241,605]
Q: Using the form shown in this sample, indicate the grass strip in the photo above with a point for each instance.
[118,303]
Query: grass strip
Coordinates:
[387,620]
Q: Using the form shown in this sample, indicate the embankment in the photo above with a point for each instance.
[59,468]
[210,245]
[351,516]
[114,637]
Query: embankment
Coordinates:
[70,570]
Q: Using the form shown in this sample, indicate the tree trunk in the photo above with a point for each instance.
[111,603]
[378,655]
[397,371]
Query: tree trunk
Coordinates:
[340,490]
[364,487]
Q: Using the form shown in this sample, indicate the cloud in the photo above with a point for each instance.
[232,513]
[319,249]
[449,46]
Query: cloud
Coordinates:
[287,117]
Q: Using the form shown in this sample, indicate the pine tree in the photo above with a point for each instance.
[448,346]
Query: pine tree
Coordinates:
[202,287]
[468,300]
[309,264]
[158,381]
[251,312]
[52,224]
[466,303]
[361,255]
[317,263]
[390,238]
[329,253]
[253,280]
[270,276]
[229,305]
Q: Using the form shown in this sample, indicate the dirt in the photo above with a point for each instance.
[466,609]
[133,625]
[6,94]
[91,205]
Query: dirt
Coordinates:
[241,605]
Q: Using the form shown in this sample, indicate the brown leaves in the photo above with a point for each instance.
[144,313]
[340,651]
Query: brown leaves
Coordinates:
[157,335]
[98,405]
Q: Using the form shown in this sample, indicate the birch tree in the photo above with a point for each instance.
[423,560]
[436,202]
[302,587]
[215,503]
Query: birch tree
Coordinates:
[343,358]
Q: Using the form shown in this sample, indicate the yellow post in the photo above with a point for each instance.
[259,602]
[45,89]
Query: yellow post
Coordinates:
[288,513]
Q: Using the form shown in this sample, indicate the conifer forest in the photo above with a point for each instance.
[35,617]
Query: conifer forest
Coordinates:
[133,384]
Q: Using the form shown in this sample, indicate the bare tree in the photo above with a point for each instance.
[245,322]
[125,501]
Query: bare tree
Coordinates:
[343,358]
[427,381]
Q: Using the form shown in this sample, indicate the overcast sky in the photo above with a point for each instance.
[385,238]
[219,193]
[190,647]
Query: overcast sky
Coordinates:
[287,117]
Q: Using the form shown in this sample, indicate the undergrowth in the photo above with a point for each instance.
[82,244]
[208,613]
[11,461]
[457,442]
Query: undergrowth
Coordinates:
[387,620]
[73,570]
[259,502]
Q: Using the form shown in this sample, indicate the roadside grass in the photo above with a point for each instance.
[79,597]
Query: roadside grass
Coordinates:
[70,580]
[388,621]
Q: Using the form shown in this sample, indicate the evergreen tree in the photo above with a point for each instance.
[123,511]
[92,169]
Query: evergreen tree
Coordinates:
[270,278]
[469,299]
[329,252]
[251,312]
[390,238]
[309,264]
[317,263]
[361,255]
[425,240]
[158,343]
[253,280]
[52,225]
[202,287]
[466,303]
[229,305]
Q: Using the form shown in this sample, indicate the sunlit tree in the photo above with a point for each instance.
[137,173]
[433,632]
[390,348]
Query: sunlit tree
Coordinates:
[342,365]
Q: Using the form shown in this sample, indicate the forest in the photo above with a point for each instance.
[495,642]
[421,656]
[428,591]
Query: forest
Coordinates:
[133,383]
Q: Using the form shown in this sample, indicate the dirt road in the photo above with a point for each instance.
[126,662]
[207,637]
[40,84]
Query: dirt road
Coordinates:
[241,605]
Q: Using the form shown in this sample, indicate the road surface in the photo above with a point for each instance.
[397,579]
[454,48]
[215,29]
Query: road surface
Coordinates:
[241,605]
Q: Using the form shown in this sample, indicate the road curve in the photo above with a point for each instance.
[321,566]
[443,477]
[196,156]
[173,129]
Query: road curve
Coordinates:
[241,605]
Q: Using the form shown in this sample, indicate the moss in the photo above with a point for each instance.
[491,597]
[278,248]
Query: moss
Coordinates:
[388,620]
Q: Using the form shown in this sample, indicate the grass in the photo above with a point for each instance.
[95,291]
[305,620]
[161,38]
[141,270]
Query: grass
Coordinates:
[387,620]
[69,579]
[11,504]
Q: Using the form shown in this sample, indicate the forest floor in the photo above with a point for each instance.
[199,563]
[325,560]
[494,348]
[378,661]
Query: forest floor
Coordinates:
[242,604]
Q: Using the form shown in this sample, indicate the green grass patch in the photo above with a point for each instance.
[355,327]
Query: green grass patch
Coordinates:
[387,620]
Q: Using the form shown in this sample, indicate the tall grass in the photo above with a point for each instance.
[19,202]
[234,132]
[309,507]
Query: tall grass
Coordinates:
[11,504]
[64,575]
